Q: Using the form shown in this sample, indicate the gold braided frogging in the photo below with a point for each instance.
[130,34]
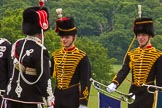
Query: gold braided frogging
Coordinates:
[139,69]
[70,60]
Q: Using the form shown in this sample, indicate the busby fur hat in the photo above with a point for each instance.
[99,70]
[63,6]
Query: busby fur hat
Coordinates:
[35,19]
[65,26]
[144,25]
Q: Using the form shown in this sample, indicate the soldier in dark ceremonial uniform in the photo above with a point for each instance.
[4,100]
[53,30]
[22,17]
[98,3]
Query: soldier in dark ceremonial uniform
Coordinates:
[71,68]
[30,83]
[5,67]
[145,63]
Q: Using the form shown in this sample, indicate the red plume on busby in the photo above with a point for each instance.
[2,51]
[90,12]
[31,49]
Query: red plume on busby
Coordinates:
[144,25]
[65,25]
[41,3]
[35,19]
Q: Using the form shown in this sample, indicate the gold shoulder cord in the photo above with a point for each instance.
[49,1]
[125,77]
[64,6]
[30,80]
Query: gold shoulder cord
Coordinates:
[130,46]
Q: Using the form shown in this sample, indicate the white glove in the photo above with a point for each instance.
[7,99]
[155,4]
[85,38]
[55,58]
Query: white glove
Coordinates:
[49,102]
[82,106]
[111,87]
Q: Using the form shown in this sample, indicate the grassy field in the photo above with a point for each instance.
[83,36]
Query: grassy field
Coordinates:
[93,99]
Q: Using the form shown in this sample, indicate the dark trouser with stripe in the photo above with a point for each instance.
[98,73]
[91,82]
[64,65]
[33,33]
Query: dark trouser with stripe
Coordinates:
[68,98]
